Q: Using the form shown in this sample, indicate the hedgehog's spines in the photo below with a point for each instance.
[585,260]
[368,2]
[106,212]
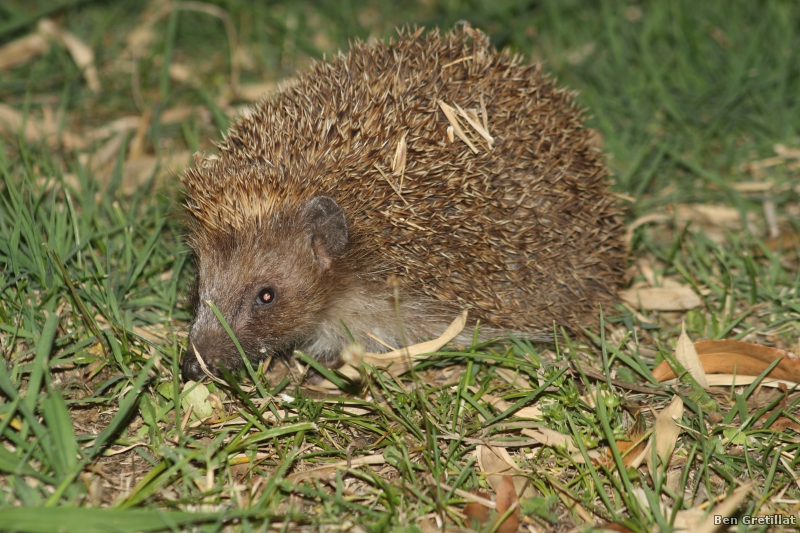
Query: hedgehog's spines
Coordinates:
[525,229]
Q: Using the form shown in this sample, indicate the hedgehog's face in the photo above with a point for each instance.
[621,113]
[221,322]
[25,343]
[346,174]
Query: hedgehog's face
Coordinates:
[271,286]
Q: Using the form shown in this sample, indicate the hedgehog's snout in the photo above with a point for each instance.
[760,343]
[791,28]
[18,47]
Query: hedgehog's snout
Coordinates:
[190,367]
[216,350]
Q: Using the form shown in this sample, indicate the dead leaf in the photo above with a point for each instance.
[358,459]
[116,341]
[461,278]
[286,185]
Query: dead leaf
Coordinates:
[327,472]
[731,380]
[136,148]
[495,463]
[631,449]
[724,509]
[82,54]
[22,50]
[666,432]
[507,499]
[740,358]
[762,397]
[123,124]
[614,526]
[716,220]
[786,241]
[754,186]
[689,519]
[12,122]
[686,354]
[399,361]
[675,480]
[255,92]
[502,405]
[637,461]
[783,423]
[476,510]
[515,378]
[657,218]
[107,155]
[709,214]
[181,73]
[552,438]
[785,152]
[661,298]
[135,172]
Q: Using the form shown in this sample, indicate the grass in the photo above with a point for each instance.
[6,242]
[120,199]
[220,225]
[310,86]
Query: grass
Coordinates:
[690,99]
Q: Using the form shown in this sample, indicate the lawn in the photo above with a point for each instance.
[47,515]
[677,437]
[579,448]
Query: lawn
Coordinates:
[102,104]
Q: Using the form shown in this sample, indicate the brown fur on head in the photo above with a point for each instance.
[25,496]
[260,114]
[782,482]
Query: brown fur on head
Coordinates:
[274,283]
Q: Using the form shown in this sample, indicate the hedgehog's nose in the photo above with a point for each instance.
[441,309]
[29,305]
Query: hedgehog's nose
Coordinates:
[190,367]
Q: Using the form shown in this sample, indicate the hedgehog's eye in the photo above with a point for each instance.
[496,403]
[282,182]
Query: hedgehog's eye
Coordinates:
[265,296]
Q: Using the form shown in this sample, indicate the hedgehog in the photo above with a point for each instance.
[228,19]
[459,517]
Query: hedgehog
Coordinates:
[463,173]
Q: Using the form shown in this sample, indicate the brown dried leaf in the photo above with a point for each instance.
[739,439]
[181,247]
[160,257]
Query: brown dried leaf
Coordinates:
[142,36]
[716,220]
[495,463]
[686,354]
[740,358]
[614,526]
[502,405]
[785,152]
[783,423]
[724,509]
[12,121]
[788,241]
[657,218]
[633,447]
[327,472]
[422,348]
[135,172]
[506,499]
[515,378]
[637,461]
[551,437]
[528,412]
[763,397]
[123,124]
[661,298]
[709,214]
[82,54]
[255,92]
[689,519]
[477,511]
[22,50]
[136,148]
[731,380]
[401,359]
[180,73]
[666,432]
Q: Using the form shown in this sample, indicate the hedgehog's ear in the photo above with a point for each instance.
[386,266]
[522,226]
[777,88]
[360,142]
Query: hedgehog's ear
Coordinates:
[328,228]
